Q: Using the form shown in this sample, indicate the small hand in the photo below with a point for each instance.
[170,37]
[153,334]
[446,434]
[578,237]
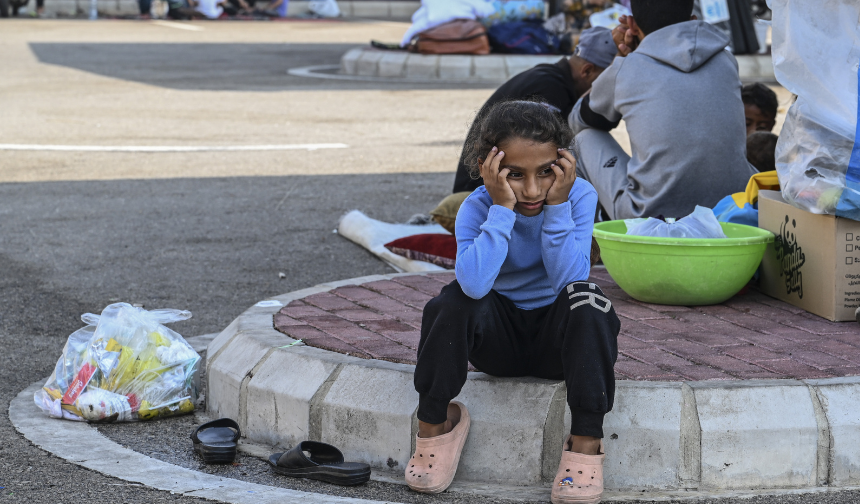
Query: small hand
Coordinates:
[625,35]
[496,181]
[565,176]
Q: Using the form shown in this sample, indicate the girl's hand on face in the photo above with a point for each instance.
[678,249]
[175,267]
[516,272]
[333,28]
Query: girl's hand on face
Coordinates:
[496,181]
[565,176]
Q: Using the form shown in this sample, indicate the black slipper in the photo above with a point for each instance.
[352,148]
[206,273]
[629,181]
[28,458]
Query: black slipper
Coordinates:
[325,464]
[215,441]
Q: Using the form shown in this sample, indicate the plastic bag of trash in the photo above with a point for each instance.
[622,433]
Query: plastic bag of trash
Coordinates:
[816,49]
[700,224]
[125,365]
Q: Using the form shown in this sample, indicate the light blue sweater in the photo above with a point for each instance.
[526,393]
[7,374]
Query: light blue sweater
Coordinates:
[529,260]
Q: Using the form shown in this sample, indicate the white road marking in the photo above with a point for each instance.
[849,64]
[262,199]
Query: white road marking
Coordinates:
[178,25]
[169,148]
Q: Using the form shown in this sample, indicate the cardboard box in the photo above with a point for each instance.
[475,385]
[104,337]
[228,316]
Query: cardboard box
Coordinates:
[814,263]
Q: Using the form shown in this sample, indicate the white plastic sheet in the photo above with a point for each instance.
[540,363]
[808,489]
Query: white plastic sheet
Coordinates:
[700,224]
[816,55]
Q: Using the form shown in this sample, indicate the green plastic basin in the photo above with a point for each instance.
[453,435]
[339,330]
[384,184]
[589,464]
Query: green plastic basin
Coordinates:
[681,271]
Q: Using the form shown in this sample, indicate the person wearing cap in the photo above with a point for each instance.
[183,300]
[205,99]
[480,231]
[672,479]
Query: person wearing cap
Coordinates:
[557,85]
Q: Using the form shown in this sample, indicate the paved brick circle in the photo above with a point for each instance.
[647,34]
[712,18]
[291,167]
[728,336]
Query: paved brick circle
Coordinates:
[751,336]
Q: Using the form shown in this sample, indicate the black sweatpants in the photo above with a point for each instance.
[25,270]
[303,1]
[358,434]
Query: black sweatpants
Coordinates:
[574,339]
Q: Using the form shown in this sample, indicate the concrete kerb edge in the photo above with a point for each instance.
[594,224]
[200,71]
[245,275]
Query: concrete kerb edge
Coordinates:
[822,467]
[690,446]
[689,429]
[40,430]
[44,433]
[750,67]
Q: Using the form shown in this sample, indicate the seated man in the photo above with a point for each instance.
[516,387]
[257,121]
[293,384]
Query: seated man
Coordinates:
[558,85]
[678,90]
[760,106]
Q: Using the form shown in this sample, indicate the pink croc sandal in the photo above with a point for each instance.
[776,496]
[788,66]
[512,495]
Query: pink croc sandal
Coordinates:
[579,478]
[434,464]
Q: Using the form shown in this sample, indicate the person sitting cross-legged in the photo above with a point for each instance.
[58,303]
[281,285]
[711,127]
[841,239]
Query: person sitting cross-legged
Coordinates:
[678,91]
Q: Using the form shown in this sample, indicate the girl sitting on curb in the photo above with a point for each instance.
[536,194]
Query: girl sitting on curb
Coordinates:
[521,304]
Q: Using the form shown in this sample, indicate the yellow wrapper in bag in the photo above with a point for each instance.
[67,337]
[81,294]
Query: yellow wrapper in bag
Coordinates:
[125,365]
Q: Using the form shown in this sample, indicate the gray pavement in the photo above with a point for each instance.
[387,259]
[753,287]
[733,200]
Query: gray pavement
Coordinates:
[206,232]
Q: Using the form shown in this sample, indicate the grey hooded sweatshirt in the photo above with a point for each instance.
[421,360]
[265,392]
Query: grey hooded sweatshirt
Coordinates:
[680,96]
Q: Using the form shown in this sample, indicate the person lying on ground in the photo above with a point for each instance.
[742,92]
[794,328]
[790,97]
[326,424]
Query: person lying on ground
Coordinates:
[558,85]
[678,91]
[521,304]
[761,150]
[760,106]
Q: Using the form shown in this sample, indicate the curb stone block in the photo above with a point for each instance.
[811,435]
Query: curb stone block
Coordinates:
[519,64]
[490,67]
[297,7]
[349,61]
[841,404]
[345,8]
[401,9]
[368,63]
[228,370]
[393,64]
[516,407]
[455,67]
[217,344]
[279,396]
[741,421]
[66,7]
[421,66]
[747,66]
[127,7]
[367,413]
[370,8]
[766,71]
[643,425]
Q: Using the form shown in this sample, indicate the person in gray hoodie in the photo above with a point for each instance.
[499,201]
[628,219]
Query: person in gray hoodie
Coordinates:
[678,91]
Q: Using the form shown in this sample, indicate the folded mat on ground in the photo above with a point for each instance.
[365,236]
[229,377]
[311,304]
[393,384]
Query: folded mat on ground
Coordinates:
[435,248]
[373,234]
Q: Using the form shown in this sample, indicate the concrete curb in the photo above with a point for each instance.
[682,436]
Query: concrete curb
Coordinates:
[661,436]
[115,461]
[85,446]
[492,68]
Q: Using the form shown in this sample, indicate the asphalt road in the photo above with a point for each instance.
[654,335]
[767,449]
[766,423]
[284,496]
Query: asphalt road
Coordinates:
[207,232]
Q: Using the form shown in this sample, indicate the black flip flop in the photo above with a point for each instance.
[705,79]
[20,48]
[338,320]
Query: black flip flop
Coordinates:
[325,464]
[215,441]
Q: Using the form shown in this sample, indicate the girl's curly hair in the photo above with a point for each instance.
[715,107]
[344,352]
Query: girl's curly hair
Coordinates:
[526,119]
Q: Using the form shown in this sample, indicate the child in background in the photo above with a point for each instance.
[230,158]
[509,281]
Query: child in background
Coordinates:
[760,106]
[761,150]
[521,304]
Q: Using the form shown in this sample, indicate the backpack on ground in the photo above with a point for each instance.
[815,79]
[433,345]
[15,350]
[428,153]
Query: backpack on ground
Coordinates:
[523,37]
[461,36]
